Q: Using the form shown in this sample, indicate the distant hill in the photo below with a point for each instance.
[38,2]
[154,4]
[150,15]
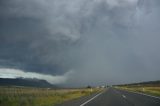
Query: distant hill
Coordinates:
[148,83]
[25,82]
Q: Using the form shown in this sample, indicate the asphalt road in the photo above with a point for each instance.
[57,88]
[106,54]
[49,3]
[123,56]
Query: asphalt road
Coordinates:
[115,97]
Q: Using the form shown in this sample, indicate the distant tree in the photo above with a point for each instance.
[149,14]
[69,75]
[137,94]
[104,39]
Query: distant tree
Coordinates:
[88,86]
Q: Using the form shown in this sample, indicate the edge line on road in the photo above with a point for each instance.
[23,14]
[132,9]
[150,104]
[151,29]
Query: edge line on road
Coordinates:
[90,99]
[144,94]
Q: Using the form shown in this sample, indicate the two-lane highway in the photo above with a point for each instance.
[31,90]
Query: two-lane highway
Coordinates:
[115,97]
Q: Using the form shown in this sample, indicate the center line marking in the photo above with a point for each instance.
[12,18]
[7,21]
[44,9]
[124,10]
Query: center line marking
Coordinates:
[123,96]
[91,99]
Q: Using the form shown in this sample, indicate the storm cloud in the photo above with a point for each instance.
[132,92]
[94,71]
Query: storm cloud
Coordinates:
[96,41]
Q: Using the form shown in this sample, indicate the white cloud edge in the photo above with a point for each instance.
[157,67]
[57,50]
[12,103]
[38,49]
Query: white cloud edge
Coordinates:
[15,73]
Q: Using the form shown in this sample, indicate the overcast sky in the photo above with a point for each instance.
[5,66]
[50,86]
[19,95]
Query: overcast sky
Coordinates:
[80,42]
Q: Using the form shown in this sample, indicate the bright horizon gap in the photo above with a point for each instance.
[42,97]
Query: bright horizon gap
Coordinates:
[17,73]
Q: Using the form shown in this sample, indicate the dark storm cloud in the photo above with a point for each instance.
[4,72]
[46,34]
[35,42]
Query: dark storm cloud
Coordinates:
[25,40]
[22,42]
[99,41]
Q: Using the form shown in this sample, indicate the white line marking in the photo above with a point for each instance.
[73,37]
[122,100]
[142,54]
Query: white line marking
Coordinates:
[123,96]
[91,99]
[145,94]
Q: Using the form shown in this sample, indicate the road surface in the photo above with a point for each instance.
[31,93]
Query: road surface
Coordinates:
[115,97]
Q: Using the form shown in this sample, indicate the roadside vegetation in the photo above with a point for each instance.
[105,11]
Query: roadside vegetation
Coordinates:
[151,90]
[23,96]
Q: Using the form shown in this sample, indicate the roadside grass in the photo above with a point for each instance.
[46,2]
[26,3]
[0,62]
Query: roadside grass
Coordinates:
[155,91]
[21,96]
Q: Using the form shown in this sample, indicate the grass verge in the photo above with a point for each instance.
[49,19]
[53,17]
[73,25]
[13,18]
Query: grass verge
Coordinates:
[154,91]
[19,96]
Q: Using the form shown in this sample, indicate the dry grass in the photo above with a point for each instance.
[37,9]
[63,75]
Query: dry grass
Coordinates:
[18,96]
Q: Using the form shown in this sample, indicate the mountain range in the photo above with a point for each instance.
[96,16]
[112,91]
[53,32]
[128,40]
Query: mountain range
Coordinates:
[26,82]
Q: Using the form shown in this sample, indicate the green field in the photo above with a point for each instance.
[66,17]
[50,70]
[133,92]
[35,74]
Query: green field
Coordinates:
[151,90]
[22,96]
